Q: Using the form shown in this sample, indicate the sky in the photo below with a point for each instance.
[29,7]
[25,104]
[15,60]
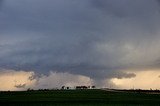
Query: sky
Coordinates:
[107,43]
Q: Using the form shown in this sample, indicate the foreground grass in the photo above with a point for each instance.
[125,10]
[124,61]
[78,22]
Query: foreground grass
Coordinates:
[77,98]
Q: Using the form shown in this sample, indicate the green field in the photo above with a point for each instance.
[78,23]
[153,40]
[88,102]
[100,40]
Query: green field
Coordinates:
[77,98]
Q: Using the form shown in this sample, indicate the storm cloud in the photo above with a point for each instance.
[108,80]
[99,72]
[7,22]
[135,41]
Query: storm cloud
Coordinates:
[94,38]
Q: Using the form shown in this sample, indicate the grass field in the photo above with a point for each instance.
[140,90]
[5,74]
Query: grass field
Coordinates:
[78,98]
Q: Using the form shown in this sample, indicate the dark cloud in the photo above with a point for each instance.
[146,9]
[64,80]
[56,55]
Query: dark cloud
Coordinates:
[1,2]
[96,38]
[126,8]
[126,75]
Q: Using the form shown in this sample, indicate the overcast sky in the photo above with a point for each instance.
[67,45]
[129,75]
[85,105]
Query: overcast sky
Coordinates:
[93,38]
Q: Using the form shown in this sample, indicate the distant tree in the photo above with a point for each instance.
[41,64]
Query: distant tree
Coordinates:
[63,87]
[29,89]
[81,87]
[93,87]
[67,87]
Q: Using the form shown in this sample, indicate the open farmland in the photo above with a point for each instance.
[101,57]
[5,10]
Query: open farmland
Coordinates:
[77,98]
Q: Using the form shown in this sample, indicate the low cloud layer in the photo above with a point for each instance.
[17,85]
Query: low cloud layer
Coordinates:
[57,80]
[22,80]
[15,80]
[93,38]
[144,80]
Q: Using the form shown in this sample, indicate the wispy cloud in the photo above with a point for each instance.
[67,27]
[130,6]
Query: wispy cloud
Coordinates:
[20,86]
[143,80]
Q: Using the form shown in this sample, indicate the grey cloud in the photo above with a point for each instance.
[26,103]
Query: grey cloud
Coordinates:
[96,38]
[126,8]
[126,75]
[1,3]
